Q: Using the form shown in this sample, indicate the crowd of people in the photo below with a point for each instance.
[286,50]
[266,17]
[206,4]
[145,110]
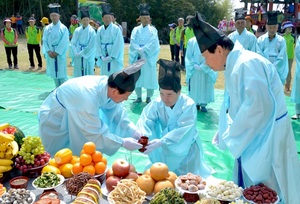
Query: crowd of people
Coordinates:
[253,121]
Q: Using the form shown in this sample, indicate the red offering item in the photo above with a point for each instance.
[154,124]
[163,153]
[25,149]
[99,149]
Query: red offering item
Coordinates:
[260,194]
[19,182]
[144,141]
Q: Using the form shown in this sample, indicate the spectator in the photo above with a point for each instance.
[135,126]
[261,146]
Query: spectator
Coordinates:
[144,44]
[114,21]
[177,39]
[55,46]
[110,44]
[90,108]
[170,123]
[73,26]
[44,22]
[280,18]
[20,24]
[249,23]
[172,27]
[13,21]
[264,149]
[272,46]
[33,36]
[186,35]
[290,41]
[9,37]
[83,45]
[200,78]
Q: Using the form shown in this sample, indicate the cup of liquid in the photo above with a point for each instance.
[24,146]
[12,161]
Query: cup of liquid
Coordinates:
[143,141]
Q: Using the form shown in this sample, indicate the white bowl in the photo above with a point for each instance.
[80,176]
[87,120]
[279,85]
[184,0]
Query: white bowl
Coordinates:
[61,178]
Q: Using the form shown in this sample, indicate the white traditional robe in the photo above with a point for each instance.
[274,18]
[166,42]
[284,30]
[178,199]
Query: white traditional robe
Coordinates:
[146,38]
[275,52]
[200,82]
[257,129]
[83,42]
[246,38]
[110,42]
[56,39]
[295,95]
[181,146]
[79,111]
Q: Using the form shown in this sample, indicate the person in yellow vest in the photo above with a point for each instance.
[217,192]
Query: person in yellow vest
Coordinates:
[9,37]
[172,43]
[186,35]
[33,36]
[177,38]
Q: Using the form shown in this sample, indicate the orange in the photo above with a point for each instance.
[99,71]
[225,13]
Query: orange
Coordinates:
[159,171]
[90,169]
[100,167]
[74,159]
[85,159]
[77,168]
[159,185]
[104,160]
[82,152]
[89,147]
[97,156]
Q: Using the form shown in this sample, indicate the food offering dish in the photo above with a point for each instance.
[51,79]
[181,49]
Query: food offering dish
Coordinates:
[260,194]
[15,195]
[225,191]
[48,183]
[190,186]
[19,182]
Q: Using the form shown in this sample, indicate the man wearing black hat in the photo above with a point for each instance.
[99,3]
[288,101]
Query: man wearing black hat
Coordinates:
[33,35]
[144,44]
[90,108]
[83,46]
[253,123]
[55,46]
[273,47]
[170,123]
[247,39]
[110,44]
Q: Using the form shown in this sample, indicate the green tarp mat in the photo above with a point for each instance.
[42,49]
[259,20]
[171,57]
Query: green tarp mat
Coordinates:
[22,93]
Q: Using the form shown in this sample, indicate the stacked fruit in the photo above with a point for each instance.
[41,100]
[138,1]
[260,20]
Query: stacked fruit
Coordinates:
[90,160]
[32,154]
[6,128]
[156,178]
[8,150]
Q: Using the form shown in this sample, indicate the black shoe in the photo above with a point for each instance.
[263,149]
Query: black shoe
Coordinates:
[198,107]
[148,100]
[9,66]
[138,100]
[296,117]
[16,66]
[203,109]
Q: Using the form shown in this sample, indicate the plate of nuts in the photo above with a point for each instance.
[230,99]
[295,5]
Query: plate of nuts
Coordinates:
[260,193]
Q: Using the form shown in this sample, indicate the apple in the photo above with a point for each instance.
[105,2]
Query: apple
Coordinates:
[132,168]
[132,175]
[112,182]
[109,173]
[120,167]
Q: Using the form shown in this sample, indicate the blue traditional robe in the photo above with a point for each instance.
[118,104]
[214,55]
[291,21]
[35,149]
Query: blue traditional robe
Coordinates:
[275,52]
[256,129]
[56,39]
[79,111]
[110,42]
[295,95]
[181,146]
[246,38]
[200,82]
[83,42]
[147,39]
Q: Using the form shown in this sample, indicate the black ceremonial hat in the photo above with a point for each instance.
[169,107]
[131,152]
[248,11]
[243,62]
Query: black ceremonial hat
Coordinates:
[54,8]
[206,34]
[169,75]
[144,9]
[272,18]
[84,12]
[106,9]
[239,15]
[126,78]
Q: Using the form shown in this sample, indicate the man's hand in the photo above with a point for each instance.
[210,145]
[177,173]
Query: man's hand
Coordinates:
[152,145]
[131,144]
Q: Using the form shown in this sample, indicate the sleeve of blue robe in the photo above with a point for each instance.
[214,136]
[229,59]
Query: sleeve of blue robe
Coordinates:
[281,62]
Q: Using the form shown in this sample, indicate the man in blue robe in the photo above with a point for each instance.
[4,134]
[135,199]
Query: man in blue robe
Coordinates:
[241,34]
[55,47]
[295,95]
[255,128]
[273,47]
[83,46]
[90,108]
[144,44]
[200,78]
[170,123]
[110,44]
